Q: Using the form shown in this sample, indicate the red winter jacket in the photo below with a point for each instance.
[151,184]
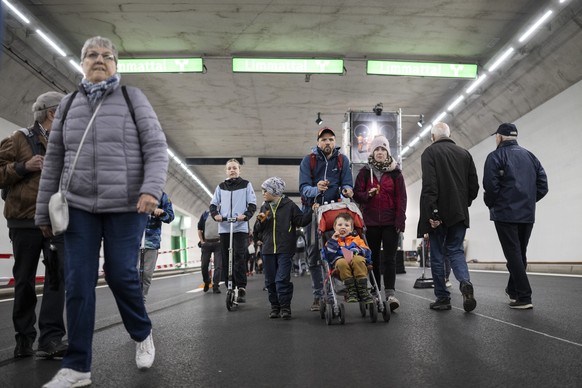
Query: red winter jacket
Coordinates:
[388,207]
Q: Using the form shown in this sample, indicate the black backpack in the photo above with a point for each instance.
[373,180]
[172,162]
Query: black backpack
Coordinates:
[32,138]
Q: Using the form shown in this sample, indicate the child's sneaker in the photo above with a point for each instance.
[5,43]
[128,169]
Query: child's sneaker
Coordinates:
[286,313]
[274,312]
[66,378]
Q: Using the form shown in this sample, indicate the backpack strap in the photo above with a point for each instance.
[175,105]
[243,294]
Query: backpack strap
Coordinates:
[68,106]
[313,163]
[128,102]
[31,138]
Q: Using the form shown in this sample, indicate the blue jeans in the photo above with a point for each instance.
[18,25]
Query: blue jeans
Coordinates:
[121,234]
[448,241]
[277,269]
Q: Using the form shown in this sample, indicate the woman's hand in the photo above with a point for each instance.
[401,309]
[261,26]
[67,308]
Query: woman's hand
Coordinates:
[146,204]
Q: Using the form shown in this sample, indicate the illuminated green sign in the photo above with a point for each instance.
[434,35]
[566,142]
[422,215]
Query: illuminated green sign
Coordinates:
[422,69]
[160,65]
[280,65]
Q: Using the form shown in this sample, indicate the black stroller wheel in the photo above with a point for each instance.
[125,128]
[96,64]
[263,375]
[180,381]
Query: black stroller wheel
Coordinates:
[386,312]
[373,312]
[322,307]
[342,313]
[363,309]
[329,314]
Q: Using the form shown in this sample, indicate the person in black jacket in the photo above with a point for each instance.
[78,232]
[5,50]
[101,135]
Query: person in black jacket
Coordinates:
[514,180]
[449,186]
[276,224]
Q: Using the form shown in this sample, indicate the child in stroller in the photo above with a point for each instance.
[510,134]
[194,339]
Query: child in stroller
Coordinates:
[350,257]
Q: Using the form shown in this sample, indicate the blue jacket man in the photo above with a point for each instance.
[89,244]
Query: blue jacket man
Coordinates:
[324,176]
[514,180]
[153,236]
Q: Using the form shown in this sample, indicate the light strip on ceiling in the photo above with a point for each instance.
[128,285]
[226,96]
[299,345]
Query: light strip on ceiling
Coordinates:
[17,12]
[187,170]
[51,43]
[455,103]
[535,26]
[477,82]
[501,59]
[506,54]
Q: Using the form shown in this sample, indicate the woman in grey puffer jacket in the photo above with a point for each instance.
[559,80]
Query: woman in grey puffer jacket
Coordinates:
[117,182]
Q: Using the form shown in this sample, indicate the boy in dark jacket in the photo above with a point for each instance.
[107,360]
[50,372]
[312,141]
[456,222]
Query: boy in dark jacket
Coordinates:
[276,223]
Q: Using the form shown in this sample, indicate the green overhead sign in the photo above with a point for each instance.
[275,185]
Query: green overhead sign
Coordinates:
[160,65]
[279,65]
[422,69]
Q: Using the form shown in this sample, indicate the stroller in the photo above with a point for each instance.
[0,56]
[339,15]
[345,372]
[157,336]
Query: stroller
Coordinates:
[330,307]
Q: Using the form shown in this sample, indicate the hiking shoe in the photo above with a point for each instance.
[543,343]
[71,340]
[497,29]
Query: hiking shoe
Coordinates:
[315,305]
[23,347]
[286,313]
[469,302]
[511,297]
[393,302]
[441,304]
[145,352]
[520,305]
[274,313]
[206,287]
[53,349]
[216,290]
[66,378]
[241,296]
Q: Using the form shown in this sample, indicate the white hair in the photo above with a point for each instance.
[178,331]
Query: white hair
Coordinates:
[440,130]
[99,41]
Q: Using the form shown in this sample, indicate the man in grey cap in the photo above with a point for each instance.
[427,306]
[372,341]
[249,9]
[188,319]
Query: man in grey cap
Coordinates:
[21,162]
[513,180]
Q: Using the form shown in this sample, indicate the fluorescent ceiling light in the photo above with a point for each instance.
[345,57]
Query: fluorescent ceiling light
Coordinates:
[51,43]
[439,118]
[76,66]
[189,172]
[455,103]
[16,12]
[535,25]
[476,83]
[425,130]
[414,141]
[405,150]
[501,59]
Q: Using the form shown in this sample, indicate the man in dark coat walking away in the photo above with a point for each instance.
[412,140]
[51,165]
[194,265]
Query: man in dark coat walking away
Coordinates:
[514,180]
[449,186]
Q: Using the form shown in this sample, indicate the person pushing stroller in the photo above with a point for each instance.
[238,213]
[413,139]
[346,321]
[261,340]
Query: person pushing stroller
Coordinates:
[350,257]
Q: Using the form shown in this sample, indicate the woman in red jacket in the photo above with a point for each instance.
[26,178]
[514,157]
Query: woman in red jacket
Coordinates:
[381,193]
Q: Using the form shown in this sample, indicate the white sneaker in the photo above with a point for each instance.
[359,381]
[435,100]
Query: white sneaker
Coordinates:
[393,302]
[145,352]
[66,378]
[448,283]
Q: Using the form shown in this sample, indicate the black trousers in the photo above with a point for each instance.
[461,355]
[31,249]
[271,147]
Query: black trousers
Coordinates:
[209,248]
[387,238]
[240,242]
[27,244]
[514,239]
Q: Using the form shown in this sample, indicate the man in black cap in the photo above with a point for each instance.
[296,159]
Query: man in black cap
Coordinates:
[513,180]
[21,162]
[324,176]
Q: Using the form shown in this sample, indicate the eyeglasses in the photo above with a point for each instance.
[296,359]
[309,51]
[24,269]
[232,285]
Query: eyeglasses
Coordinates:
[107,57]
